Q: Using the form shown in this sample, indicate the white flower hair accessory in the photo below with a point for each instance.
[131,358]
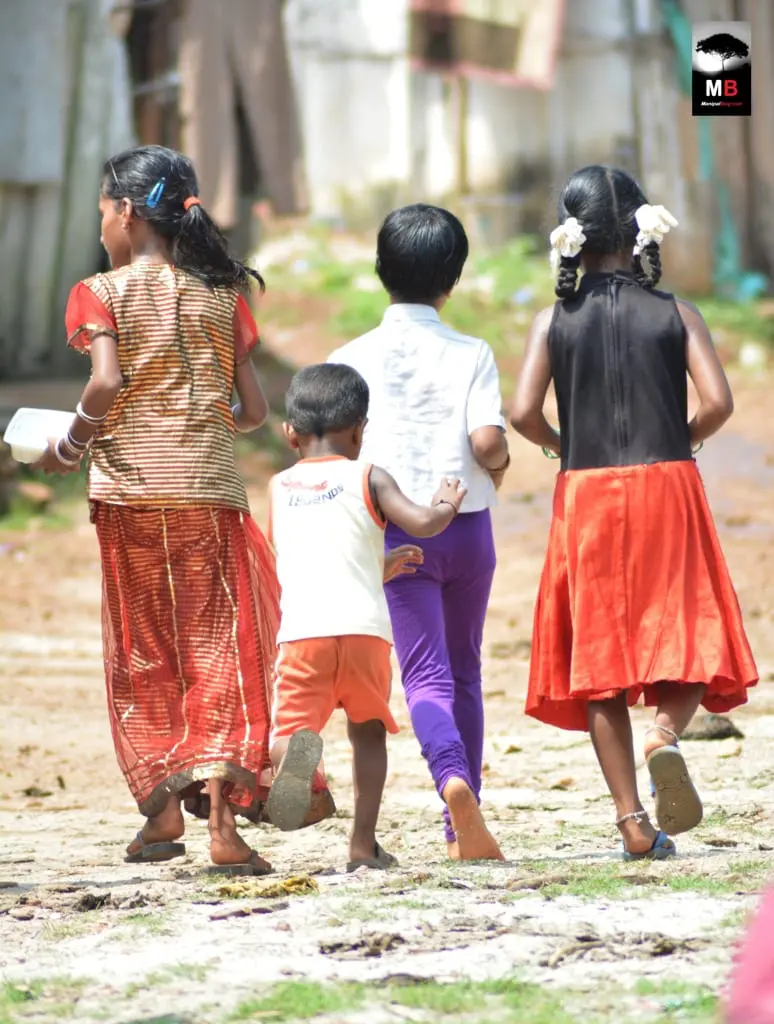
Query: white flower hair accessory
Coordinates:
[566,240]
[654,222]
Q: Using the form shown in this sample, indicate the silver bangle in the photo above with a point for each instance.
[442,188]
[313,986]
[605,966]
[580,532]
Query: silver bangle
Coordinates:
[94,420]
[77,446]
[62,458]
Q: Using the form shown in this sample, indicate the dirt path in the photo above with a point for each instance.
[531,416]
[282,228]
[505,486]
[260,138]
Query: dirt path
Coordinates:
[84,936]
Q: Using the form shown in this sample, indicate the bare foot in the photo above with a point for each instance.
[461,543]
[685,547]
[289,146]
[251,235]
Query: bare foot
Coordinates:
[453,850]
[474,840]
[227,847]
[165,827]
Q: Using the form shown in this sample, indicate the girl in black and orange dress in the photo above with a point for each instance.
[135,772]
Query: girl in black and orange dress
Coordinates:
[635,599]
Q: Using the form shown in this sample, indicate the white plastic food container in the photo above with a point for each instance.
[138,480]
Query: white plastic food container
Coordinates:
[29,431]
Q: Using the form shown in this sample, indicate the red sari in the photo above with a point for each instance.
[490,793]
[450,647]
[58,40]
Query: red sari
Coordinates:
[190,594]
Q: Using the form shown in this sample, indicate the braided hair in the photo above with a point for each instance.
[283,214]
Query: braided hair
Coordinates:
[162,187]
[605,200]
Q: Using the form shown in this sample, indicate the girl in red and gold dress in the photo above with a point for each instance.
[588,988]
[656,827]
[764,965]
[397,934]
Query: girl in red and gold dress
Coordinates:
[635,599]
[190,598]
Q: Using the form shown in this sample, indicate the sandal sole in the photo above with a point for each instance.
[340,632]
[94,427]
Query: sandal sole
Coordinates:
[156,853]
[678,806]
[290,795]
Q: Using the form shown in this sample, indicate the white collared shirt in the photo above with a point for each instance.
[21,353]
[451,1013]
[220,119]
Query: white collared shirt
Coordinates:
[431,387]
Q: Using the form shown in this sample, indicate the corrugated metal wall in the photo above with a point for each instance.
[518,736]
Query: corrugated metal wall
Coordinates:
[65,104]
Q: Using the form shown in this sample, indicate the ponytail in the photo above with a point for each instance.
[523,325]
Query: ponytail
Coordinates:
[200,249]
[647,272]
[567,276]
[162,187]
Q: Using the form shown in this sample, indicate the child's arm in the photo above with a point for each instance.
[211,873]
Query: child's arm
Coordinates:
[252,409]
[486,427]
[416,520]
[527,415]
[96,401]
[716,403]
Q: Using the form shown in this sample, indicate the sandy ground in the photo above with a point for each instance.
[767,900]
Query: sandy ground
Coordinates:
[83,935]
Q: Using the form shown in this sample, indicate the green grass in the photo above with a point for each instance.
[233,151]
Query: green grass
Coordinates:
[147,923]
[301,1000]
[49,999]
[478,1002]
[682,1002]
[158,979]
[72,927]
[66,491]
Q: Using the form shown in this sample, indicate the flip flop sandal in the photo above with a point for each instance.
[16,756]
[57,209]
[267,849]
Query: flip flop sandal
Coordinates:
[662,849]
[381,861]
[154,853]
[290,795]
[678,806]
[674,741]
[253,867]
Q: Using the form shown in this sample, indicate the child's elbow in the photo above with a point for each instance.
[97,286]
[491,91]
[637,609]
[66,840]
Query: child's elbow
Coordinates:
[520,417]
[108,383]
[722,406]
[254,415]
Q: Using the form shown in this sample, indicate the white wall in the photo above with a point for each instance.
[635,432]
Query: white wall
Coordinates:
[370,121]
[351,72]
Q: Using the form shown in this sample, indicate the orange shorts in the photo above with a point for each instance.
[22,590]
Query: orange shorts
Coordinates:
[314,677]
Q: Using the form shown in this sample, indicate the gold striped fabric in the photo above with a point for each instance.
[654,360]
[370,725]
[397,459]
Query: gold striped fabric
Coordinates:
[169,437]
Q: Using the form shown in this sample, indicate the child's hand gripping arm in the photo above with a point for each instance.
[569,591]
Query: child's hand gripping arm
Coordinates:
[416,520]
[485,421]
[402,561]
[716,403]
[527,415]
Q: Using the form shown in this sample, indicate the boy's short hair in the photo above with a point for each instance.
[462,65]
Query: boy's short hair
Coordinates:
[325,399]
[420,253]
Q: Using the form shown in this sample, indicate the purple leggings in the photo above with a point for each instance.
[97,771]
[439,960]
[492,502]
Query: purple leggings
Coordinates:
[438,622]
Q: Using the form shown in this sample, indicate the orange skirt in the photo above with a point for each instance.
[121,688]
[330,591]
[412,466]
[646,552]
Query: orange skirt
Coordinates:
[635,591]
[190,618]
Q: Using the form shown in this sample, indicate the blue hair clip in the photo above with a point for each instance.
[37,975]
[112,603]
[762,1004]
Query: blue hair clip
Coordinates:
[154,198]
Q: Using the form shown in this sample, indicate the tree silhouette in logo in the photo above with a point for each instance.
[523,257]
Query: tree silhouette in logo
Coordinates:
[724,46]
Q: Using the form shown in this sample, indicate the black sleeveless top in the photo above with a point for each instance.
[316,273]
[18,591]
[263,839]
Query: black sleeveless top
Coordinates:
[618,360]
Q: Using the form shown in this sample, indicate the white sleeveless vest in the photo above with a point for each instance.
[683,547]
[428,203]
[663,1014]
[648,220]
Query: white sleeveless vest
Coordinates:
[329,542]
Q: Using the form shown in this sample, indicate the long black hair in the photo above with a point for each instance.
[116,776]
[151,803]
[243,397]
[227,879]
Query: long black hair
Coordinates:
[604,201]
[158,181]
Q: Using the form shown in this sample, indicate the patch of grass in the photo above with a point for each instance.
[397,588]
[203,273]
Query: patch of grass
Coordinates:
[146,922]
[532,1002]
[49,999]
[71,927]
[682,1001]
[158,979]
[301,1001]
[499,1000]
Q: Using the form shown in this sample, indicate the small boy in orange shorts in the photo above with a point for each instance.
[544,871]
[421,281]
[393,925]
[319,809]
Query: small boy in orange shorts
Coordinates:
[327,519]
